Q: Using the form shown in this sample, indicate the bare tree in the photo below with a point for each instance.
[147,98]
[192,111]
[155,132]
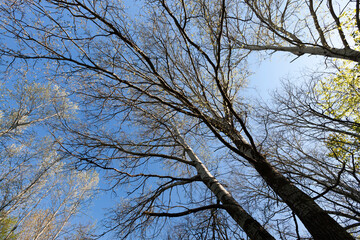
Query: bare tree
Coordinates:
[67,194]
[204,225]
[314,141]
[37,193]
[325,28]
[154,95]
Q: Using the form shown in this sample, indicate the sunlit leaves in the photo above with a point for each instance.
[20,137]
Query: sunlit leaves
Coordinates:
[340,99]
[341,94]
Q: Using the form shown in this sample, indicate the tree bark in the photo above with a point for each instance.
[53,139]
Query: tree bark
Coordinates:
[348,54]
[320,225]
[250,226]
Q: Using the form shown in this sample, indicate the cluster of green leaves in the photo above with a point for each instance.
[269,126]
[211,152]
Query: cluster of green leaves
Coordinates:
[340,98]
[348,24]
[6,226]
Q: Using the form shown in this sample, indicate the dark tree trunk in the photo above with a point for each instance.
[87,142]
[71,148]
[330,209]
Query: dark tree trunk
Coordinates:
[250,226]
[320,225]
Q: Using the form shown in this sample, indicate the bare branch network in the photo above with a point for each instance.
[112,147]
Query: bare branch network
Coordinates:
[153,98]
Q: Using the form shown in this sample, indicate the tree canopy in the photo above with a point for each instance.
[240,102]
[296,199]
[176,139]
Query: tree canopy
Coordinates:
[161,112]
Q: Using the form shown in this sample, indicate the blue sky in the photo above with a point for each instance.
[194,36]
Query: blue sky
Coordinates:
[269,73]
[266,77]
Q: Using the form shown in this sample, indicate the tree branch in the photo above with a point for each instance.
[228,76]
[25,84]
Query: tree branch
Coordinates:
[189,211]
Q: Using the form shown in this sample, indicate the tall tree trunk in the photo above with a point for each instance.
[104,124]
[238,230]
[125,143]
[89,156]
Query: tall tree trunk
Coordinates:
[250,226]
[320,225]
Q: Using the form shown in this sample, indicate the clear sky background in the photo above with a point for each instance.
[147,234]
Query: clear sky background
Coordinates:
[270,72]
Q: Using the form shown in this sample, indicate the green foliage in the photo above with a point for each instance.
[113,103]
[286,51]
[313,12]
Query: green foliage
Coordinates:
[340,98]
[6,226]
[341,94]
